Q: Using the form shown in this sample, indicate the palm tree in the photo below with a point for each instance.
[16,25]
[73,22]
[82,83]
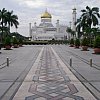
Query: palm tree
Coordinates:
[78,27]
[11,20]
[3,13]
[88,19]
[90,16]
[7,20]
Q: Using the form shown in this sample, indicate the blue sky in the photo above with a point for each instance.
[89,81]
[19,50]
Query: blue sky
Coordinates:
[31,10]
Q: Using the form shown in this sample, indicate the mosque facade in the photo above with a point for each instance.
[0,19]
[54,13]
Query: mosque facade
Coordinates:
[46,30]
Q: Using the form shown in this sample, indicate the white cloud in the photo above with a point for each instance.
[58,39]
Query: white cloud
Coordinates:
[31,10]
[31,4]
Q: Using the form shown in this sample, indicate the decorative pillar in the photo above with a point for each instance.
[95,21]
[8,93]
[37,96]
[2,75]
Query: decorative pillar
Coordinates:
[35,24]
[30,31]
[35,31]
[35,27]
[57,25]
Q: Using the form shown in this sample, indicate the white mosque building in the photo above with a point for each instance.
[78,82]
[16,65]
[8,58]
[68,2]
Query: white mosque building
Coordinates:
[46,30]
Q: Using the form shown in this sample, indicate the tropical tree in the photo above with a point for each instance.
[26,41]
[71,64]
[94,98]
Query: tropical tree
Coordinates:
[90,16]
[87,21]
[11,20]
[79,27]
[7,20]
[95,32]
[3,14]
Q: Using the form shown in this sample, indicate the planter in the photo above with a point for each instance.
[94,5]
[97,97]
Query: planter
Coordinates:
[97,50]
[72,42]
[7,47]
[15,45]
[71,45]
[20,45]
[77,43]
[77,47]
[7,43]
[84,48]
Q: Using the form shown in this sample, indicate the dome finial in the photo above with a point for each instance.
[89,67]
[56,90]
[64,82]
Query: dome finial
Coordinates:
[46,14]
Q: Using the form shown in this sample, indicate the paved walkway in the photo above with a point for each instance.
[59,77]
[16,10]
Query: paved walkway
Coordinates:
[50,79]
[88,75]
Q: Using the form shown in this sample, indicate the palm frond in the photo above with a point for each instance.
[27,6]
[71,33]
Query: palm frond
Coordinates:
[98,15]
[83,15]
[96,9]
[95,20]
[83,11]
[88,8]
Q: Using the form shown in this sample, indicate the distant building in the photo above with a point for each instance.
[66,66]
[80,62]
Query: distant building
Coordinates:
[46,30]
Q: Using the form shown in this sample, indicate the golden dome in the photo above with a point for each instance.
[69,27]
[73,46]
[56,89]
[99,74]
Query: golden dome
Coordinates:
[46,15]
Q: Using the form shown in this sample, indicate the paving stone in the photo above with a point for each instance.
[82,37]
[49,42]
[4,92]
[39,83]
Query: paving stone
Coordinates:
[41,98]
[53,94]
[67,98]
[35,78]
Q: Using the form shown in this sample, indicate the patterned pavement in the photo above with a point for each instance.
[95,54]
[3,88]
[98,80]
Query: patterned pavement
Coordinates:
[50,81]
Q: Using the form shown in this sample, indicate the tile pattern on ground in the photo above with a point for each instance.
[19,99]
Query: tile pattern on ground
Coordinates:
[50,81]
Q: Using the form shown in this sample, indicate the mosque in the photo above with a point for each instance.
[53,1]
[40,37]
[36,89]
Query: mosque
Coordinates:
[46,30]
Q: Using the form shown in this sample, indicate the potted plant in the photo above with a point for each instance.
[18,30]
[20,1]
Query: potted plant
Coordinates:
[72,42]
[84,44]
[77,43]
[20,42]
[0,47]
[15,42]
[7,43]
[97,45]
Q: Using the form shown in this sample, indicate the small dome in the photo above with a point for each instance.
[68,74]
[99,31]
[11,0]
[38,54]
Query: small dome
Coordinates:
[46,15]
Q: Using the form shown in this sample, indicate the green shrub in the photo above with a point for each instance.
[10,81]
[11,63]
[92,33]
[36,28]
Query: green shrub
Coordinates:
[77,42]
[72,41]
[97,42]
[35,42]
[7,40]
[85,42]
[15,40]
[20,41]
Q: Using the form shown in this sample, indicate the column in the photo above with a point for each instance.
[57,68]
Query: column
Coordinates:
[30,31]
[57,25]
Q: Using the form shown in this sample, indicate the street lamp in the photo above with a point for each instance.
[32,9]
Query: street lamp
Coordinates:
[13,36]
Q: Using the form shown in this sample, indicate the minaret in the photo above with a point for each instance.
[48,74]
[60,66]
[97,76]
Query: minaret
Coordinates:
[35,27]
[57,25]
[74,20]
[30,31]
[35,31]
[70,23]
